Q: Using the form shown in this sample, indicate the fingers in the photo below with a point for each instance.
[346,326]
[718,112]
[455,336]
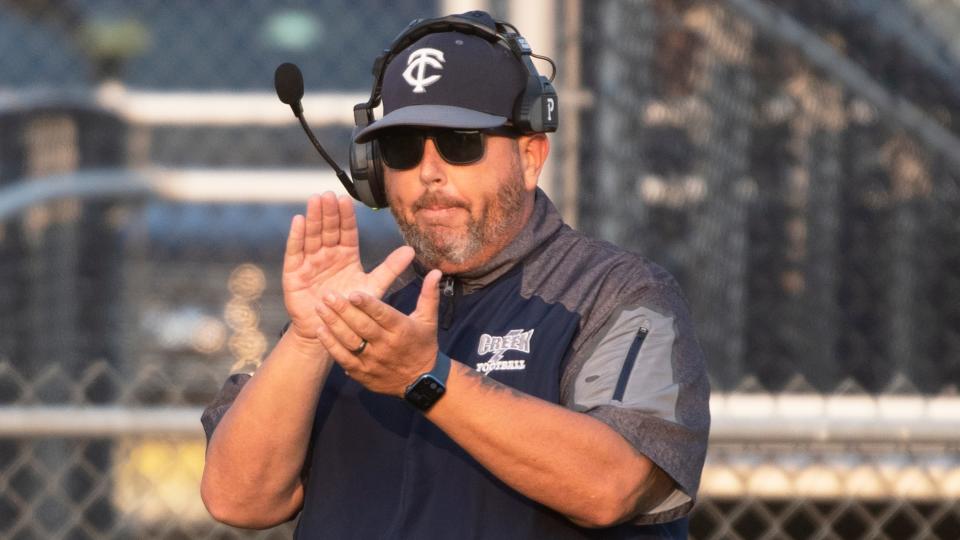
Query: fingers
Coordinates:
[314,225]
[331,219]
[390,269]
[377,312]
[428,304]
[340,353]
[293,256]
[349,234]
[384,315]
[348,325]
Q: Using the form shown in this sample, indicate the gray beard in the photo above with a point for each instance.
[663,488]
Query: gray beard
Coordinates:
[491,227]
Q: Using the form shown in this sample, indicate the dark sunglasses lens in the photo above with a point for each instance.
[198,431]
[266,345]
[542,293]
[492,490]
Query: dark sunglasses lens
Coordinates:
[460,147]
[401,150]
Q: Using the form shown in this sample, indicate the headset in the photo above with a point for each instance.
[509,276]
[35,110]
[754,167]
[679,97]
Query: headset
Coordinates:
[535,111]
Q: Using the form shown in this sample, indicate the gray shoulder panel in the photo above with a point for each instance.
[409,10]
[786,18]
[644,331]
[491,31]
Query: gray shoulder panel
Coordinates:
[657,397]
[631,366]
[589,277]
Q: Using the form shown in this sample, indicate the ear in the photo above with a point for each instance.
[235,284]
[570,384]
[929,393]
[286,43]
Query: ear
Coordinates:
[533,150]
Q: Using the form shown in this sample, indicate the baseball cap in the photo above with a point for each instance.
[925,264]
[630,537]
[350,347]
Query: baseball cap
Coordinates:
[451,80]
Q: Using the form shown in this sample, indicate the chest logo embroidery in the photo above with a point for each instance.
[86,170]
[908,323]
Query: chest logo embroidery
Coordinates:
[514,340]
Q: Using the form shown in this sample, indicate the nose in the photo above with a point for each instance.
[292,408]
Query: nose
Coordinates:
[432,166]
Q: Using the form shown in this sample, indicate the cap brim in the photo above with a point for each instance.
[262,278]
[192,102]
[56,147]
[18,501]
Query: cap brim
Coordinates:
[432,116]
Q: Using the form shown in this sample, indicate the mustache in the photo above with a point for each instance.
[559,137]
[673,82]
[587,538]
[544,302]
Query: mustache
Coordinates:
[437,198]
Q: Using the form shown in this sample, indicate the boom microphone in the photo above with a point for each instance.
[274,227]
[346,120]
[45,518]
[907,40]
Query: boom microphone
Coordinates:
[289,84]
[288,81]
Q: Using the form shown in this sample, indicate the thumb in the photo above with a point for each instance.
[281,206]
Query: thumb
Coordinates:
[428,304]
[391,268]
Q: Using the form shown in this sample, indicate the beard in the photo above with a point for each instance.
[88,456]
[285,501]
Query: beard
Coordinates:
[434,245]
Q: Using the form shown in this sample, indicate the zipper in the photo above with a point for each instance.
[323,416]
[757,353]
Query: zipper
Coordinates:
[450,290]
[631,360]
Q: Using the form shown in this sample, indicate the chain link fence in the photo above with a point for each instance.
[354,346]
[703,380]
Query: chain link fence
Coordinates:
[811,219]
[794,164]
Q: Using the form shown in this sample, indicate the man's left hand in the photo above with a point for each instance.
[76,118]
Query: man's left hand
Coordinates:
[378,346]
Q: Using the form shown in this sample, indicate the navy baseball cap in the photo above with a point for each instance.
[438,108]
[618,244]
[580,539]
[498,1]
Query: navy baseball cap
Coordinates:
[450,80]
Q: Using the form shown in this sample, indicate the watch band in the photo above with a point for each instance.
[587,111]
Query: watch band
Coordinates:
[429,387]
[441,369]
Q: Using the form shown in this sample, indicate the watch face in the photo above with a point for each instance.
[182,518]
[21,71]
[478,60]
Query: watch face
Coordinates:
[425,392]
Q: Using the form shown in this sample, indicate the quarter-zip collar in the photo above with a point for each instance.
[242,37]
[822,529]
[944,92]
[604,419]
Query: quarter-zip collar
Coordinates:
[544,222]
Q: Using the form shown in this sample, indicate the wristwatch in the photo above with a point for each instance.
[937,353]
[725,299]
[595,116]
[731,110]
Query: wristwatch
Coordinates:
[429,387]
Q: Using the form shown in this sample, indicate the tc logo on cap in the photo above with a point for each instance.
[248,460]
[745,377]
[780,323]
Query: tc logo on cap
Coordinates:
[417,64]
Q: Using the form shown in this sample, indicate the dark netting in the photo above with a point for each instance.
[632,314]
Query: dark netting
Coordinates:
[105,488]
[813,490]
[810,223]
[745,518]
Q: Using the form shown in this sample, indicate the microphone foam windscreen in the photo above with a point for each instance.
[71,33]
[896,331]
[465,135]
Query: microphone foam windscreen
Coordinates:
[289,83]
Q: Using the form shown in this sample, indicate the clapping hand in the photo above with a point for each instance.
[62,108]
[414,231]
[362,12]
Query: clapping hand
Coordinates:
[322,255]
[393,348]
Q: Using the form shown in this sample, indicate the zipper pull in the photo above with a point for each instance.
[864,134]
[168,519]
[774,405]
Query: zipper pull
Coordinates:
[448,286]
[644,328]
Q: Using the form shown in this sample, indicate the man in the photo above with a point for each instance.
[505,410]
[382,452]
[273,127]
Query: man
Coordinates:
[523,381]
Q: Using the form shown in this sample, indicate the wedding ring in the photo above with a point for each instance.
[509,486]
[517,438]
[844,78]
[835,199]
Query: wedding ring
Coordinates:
[358,350]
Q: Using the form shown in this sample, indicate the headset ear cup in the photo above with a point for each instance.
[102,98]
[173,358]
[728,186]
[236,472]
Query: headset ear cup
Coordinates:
[545,112]
[378,187]
[537,110]
[367,173]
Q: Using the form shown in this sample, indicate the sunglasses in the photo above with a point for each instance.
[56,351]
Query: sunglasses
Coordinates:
[403,148]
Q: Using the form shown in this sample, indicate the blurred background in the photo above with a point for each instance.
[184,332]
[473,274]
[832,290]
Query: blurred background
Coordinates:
[795,164]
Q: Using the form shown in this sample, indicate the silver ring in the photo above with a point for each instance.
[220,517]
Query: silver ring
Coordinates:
[358,350]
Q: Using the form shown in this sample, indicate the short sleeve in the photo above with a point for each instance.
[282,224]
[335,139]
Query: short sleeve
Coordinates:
[214,412]
[643,374]
[221,404]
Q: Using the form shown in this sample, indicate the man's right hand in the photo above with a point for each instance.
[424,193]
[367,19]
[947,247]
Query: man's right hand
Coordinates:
[252,480]
[323,253]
